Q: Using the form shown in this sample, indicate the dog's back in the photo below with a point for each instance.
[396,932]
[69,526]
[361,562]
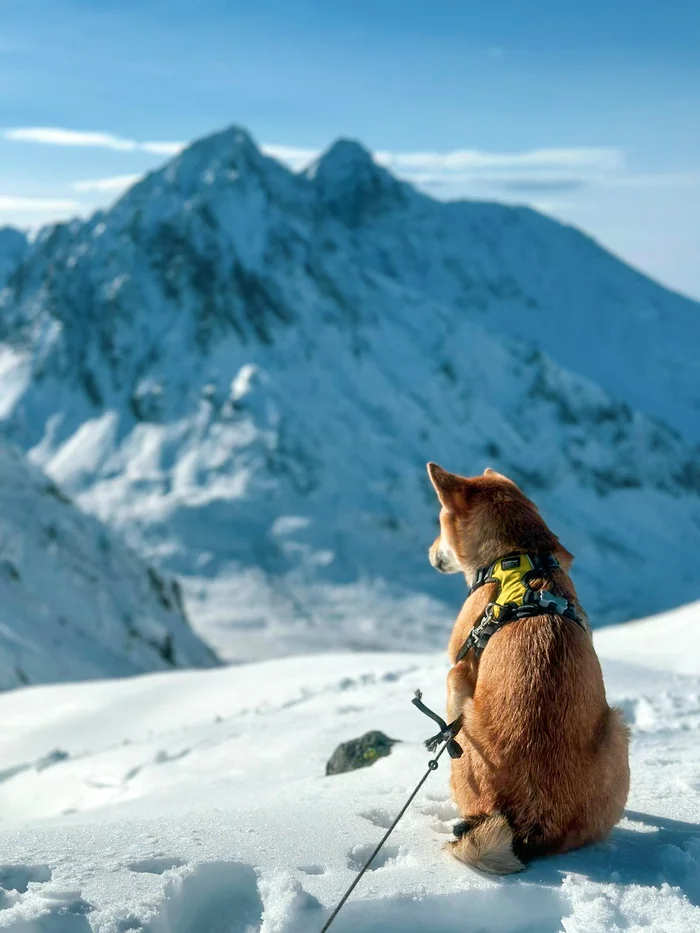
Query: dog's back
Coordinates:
[543,748]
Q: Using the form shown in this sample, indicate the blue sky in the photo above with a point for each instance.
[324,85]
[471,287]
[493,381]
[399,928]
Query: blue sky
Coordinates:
[588,111]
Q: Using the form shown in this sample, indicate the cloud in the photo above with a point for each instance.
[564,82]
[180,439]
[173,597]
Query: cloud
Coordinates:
[115,183]
[10,203]
[601,159]
[536,170]
[580,163]
[537,181]
[657,180]
[295,157]
[56,136]
[537,185]
[161,148]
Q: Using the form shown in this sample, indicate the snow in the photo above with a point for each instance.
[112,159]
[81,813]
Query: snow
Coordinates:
[196,802]
[235,355]
[74,601]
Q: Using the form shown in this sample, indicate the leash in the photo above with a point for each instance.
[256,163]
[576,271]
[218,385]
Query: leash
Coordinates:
[447,737]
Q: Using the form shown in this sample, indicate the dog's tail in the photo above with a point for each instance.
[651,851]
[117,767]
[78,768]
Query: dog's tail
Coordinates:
[486,843]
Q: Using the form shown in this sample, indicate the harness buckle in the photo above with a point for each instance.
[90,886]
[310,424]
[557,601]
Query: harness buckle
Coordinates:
[554,603]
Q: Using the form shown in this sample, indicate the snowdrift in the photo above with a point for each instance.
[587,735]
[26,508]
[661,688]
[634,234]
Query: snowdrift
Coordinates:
[189,802]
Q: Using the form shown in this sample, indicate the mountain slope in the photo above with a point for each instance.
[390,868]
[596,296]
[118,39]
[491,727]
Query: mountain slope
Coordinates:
[13,248]
[245,371]
[521,275]
[74,602]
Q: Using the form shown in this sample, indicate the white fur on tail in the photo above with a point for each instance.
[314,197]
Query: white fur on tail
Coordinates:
[489,847]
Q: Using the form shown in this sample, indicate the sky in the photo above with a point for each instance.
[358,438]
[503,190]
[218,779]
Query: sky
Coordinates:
[589,112]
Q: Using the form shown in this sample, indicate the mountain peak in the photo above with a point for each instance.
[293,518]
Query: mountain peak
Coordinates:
[342,157]
[232,139]
[233,146]
[351,183]
[219,157]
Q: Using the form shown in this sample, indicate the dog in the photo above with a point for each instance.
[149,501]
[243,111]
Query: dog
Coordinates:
[545,764]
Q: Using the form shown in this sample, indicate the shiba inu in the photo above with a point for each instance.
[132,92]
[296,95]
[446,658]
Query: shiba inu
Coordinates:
[545,765]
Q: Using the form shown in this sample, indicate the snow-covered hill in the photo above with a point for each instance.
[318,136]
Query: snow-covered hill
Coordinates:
[190,802]
[74,602]
[245,371]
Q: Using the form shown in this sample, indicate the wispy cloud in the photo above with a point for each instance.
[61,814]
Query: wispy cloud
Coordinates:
[410,164]
[115,183]
[656,180]
[525,176]
[10,203]
[602,159]
[515,184]
[551,169]
[56,136]
[295,157]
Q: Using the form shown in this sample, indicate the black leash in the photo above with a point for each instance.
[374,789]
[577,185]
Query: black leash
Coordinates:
[446,735]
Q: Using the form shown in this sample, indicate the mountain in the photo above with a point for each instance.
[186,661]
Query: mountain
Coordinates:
[244,370]
[13,248]
[74,602]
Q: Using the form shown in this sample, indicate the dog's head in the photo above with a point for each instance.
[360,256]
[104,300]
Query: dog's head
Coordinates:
[483,518]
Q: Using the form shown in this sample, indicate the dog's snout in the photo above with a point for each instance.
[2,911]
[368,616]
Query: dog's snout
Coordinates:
[442,558]
[436,557]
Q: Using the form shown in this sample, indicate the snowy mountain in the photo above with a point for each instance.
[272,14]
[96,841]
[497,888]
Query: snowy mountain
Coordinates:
[244,370]
[192,802]
[13,248]
[74,602]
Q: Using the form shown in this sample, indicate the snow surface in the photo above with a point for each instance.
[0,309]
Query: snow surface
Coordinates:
[74,601]
[196,802]
[244,371]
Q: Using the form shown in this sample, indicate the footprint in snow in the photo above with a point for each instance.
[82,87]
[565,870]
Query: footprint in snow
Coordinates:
[381,818]
[359,855]
[444,810]
[18,877]
[214,897]
[64,911]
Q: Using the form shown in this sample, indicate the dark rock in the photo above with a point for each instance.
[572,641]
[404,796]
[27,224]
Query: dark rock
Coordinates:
[360,753]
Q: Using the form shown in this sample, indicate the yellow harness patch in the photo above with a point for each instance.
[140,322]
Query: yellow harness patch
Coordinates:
[510,573]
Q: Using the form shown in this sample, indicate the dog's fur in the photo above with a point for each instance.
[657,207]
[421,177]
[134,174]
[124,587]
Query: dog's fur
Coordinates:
[545,764]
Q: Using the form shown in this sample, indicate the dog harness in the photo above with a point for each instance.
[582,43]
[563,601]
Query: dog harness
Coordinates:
[515,599]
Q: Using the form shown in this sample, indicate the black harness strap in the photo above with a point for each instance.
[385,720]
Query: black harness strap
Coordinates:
[534,603]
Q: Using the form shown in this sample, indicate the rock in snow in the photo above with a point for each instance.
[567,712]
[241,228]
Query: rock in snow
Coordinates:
[196,802]
[75,603]
[359,753]
[245,370]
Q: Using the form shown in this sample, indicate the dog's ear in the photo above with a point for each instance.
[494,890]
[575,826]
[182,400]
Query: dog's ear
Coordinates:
[450,488]
[493,474]
[565,558]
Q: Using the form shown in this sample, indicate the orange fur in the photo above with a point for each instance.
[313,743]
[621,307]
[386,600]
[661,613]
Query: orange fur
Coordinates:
[545,757]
